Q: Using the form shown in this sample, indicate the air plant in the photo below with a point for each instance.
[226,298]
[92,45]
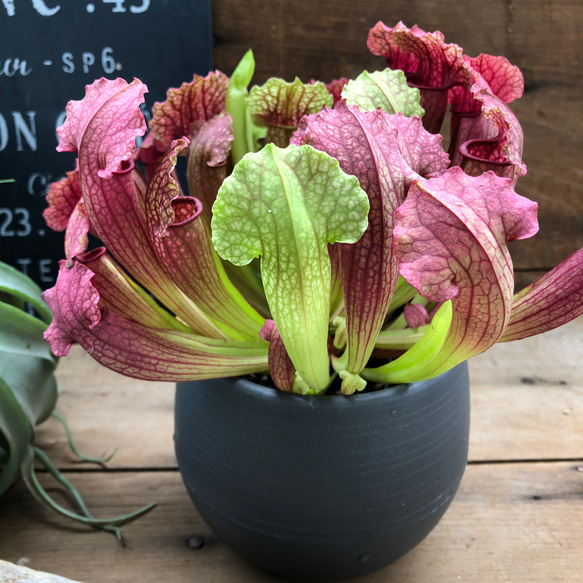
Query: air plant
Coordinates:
[325,233]
[28,397]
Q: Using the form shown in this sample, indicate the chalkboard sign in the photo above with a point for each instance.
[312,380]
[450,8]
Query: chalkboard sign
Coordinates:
[49,51]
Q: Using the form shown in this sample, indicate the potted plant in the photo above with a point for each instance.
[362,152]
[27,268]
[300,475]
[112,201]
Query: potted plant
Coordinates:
[324,245]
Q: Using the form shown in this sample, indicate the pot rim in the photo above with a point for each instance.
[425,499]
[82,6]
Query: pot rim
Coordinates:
[251,389]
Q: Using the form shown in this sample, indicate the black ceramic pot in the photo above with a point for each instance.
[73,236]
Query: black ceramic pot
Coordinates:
[322,488]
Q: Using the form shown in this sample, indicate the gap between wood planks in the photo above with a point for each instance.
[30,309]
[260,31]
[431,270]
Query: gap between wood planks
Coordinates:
[153,469]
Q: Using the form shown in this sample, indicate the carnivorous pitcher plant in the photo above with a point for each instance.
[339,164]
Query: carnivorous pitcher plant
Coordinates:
[323,232]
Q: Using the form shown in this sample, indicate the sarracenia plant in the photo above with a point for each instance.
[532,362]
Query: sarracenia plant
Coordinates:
[325,233]
[28,395]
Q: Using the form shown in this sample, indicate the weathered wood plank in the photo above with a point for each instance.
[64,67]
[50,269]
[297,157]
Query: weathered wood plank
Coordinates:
[527,398]
[108,412]
[527,403]
[509,522]
[327,39]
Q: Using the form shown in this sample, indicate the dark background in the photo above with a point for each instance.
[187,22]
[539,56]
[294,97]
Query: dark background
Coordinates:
[163,46]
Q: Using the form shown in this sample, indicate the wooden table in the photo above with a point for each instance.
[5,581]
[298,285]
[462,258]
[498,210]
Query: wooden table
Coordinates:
[518,515]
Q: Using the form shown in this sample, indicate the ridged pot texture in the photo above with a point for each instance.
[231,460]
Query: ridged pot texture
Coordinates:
[322,488]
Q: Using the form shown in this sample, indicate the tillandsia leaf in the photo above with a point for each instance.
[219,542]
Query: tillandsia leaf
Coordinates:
[386,89]
[26,362]
[386,153]
[133,349]
[245,130]
[28,395]
[285,206]
[197,101]
[18,288]
[82,457]
[106,143]
[429,64]
[493,142]
[450,240]
[17,433]
[17,430]
[33,383]
[110,524]
[22,334]
[281,367]
[182,243]
[549,302]
[281,106]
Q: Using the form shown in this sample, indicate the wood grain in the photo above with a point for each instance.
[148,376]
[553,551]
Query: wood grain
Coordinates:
[109,413]
[327,39]
[527,398]
[511,522]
